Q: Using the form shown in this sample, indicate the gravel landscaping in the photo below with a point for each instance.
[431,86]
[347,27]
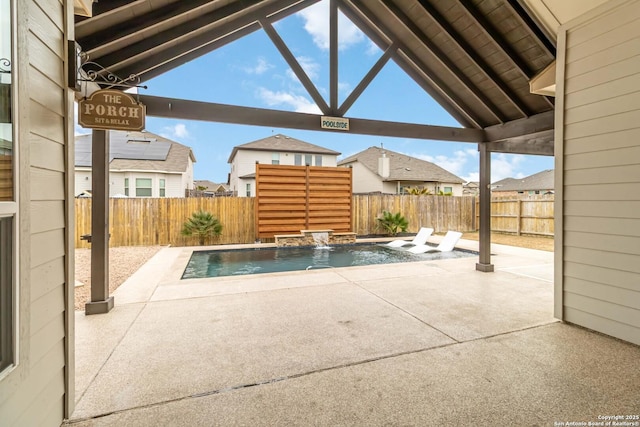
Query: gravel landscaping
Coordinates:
[123,262]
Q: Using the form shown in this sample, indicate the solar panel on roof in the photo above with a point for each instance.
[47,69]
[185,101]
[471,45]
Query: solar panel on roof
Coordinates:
[120,147]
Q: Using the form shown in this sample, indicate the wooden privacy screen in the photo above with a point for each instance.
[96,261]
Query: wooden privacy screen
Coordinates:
[294,198]
[6,177]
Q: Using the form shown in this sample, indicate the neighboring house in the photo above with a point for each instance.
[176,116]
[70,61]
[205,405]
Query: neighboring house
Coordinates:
[141,164]
[378,170]
[471,188]
[274,150]
[539,183]
[202,187]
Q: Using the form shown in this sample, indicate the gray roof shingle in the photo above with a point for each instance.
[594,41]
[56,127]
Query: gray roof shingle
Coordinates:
[540,181]
[402,167]
[281,143]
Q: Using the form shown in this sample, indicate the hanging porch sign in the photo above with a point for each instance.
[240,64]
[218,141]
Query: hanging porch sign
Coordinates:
[334,123]
[111,109]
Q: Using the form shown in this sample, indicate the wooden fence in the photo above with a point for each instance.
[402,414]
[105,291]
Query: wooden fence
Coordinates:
[142,221]
[532,216]
[147,221]
[441,213]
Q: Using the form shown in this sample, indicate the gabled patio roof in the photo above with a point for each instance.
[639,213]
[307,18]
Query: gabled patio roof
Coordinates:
[476,58]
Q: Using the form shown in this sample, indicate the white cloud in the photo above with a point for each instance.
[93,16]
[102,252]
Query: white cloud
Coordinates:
[344,87]
[316,23]
[506,166]
[309,66]
[299,103]
[179,130]
[261,67]
[455,163]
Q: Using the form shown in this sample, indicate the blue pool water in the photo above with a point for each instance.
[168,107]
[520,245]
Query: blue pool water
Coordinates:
[270,260]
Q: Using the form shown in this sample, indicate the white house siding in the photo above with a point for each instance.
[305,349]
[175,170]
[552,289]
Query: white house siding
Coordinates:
[244,163]
[174,183]
[598,154]
[35,392]
[187,179]
[365,181]
[82,181]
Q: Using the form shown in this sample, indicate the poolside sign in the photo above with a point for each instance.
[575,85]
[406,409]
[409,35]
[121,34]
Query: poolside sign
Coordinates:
[334,123]
[111,109]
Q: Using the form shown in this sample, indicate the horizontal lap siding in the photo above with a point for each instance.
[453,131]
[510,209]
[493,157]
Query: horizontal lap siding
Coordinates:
[34,393]
[601,188]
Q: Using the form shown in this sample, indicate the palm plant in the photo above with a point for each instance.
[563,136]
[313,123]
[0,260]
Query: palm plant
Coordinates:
[392,223]
[202,224]
[418,191]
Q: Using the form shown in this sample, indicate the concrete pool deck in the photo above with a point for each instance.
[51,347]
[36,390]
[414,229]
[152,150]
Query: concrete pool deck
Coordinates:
[423,343]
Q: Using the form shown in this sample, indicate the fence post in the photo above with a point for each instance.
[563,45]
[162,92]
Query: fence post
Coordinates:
[519,218]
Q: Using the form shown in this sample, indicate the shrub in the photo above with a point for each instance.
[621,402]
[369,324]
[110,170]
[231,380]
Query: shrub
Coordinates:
[202,224]
[418,191]
[392,223]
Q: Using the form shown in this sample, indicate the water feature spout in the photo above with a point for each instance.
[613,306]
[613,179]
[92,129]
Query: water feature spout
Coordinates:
[321,239]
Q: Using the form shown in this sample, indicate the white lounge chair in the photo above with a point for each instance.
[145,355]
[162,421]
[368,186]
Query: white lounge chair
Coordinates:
[446,245]
[419,239]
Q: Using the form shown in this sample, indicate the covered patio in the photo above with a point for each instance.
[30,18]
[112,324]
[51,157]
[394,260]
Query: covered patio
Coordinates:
[425,343]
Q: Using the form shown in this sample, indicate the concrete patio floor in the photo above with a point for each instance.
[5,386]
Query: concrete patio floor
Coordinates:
[424,343]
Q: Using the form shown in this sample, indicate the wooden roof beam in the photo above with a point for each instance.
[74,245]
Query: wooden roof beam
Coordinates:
[444,60]
[434,81]
[366,80]
[547,43]
[382,41]
[129,53]
[472,56]
[222,113]
[163,60]
[135,25]
[502,44]
[333,56]
[295,66]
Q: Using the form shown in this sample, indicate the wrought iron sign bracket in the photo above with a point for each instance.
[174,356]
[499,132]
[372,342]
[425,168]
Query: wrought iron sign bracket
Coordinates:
[92,72]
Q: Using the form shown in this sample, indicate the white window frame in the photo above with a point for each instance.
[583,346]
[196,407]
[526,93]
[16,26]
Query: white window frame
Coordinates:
[150,186]
[297,159]
[126,186]
[308,159]
[318,160]
[10,209]
[162,187]
[275,158]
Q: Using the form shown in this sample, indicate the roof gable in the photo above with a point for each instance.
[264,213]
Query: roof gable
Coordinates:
[539,181]
[282,143]
[402,167]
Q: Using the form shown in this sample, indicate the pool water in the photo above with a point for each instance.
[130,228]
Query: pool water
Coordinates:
[269,260]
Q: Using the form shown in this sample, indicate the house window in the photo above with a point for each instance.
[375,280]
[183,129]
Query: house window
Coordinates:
[126,187]
[143,187]
[249,190]
[448,190]
[275,158]
[307,159]
[8,196]
[297,160]
[162,188]
[318,160]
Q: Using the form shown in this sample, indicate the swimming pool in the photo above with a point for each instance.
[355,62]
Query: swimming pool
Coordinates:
[269,260]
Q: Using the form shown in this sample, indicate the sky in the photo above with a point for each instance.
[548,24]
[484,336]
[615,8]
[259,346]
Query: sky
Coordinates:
[251,72]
